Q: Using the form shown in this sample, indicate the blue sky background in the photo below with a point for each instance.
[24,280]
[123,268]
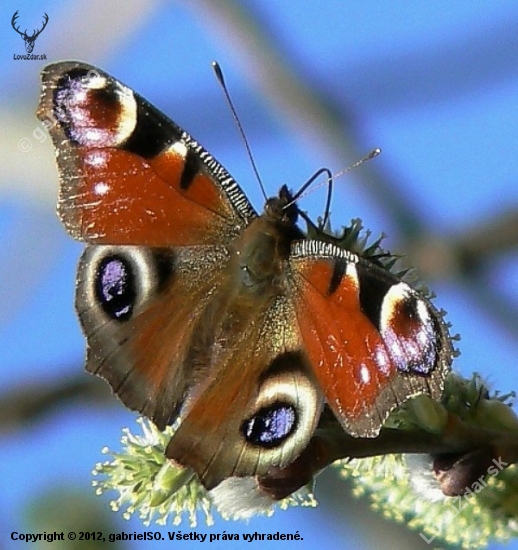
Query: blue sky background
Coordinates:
[434,85]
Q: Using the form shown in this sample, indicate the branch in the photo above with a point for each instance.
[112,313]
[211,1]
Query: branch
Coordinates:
[31,403]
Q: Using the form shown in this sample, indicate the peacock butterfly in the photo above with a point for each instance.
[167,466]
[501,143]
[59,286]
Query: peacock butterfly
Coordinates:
[197,308]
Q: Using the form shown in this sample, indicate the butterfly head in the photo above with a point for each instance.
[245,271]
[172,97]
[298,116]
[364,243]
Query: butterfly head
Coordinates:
[282,209]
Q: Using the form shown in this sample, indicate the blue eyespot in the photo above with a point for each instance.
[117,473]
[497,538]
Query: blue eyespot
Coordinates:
[270,426]
[115,288]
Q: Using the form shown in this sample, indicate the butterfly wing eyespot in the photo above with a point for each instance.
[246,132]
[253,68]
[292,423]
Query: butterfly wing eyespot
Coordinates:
[115,282]
[139,309]
[129,175]
[244,497]
[372,340]
[116,287]
[410,330]
[244,425]
[270,426]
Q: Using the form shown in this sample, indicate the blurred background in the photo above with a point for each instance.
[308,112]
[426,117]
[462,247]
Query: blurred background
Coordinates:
[434,85]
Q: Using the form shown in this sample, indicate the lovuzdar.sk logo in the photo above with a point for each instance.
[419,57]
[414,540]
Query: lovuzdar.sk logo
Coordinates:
[29,39]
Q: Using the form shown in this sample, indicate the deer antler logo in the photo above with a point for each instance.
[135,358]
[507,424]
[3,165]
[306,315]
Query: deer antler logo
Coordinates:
[29,40]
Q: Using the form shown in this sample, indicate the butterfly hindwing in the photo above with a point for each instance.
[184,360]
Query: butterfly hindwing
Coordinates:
[140,310]
[261,406]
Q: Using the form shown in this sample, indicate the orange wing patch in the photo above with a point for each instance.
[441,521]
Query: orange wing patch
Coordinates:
[120,199]
[349,357]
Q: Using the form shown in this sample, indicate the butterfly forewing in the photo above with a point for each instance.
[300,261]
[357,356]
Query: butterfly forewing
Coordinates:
[129,175]
[372,350]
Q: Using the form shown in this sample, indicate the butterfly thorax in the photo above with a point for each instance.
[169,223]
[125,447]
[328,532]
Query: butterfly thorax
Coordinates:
[263,249]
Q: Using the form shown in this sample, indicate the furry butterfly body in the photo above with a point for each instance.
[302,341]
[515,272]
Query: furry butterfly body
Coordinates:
[196,307]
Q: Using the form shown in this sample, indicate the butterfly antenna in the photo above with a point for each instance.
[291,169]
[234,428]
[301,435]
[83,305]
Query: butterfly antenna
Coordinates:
[221,80]
[308,183]
[304,191]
